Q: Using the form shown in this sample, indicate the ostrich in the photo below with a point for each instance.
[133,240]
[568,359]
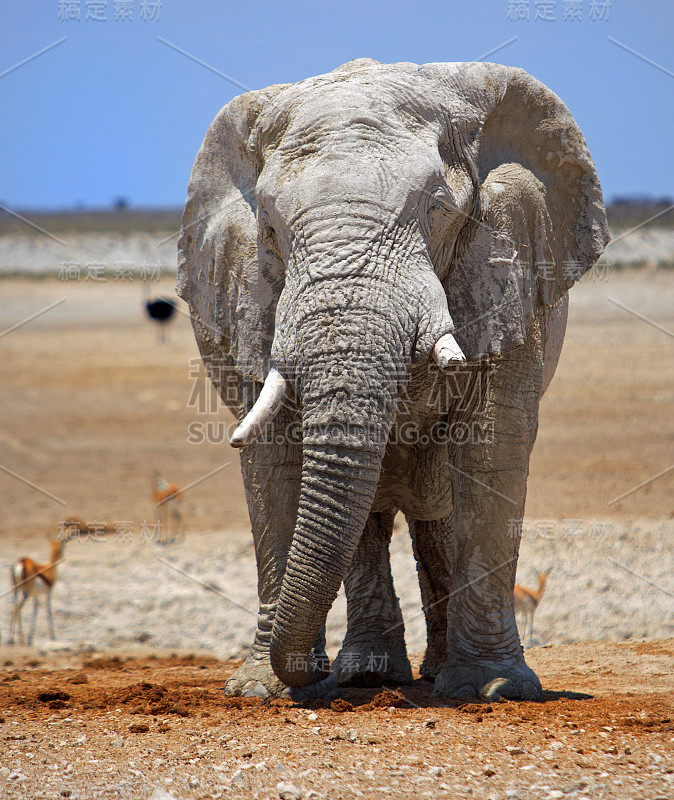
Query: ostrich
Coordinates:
[159,309]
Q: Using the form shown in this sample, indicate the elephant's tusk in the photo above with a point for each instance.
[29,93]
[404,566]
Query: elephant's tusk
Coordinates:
[447,352]
[263,412]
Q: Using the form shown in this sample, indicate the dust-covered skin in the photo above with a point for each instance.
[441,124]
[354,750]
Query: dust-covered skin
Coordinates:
[336,230]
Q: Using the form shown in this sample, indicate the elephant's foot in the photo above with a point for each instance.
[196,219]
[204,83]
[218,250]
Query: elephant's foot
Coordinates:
[256,678]
[326,689]
[372,664]
[489,681]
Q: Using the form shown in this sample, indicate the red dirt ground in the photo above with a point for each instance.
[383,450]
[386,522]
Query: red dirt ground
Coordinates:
[604,729]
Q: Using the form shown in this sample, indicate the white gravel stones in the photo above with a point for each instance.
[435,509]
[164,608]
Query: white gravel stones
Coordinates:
[162,794]
[288,791]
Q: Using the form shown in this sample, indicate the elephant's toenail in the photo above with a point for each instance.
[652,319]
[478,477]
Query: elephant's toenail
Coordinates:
[530,691]
[464,692]
[255,689]
[495,689]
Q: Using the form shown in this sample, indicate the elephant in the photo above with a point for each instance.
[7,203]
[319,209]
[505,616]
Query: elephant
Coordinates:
[377,263]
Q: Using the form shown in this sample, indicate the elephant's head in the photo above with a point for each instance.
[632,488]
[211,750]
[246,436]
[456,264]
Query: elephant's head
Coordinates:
[341,229]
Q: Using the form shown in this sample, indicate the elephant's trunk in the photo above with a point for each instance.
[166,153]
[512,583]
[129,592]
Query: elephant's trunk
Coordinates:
[338,488]
[349,365]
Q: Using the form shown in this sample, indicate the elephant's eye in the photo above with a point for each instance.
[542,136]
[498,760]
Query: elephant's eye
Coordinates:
[438,212]
[438,199]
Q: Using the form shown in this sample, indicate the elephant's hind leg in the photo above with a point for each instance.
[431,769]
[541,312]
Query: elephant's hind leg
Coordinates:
[433,543]
[374,649]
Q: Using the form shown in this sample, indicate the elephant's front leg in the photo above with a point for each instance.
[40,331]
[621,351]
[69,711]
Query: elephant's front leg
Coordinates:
[484,654]
[271,475]
[374,649]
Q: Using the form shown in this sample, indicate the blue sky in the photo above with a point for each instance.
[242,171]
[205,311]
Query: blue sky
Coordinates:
[112,110]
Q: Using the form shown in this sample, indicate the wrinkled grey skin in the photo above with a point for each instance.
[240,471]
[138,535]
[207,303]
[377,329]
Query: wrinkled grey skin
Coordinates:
[336,229]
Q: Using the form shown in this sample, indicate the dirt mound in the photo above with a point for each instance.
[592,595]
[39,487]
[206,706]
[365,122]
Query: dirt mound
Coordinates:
[154,699]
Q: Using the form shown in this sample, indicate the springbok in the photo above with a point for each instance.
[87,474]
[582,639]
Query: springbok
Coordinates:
[527,601]
[32,579]
[167,498]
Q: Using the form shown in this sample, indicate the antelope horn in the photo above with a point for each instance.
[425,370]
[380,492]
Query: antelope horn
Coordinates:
[263,412]
[447,352]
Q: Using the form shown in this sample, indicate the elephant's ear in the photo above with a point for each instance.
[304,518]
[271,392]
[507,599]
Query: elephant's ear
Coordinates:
[540,223]
[230,282]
